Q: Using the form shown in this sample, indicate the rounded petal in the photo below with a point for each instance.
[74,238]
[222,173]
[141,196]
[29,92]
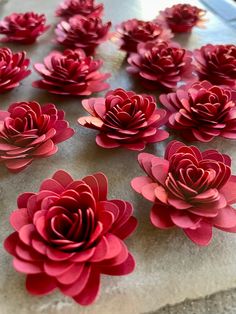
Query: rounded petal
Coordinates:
[201,235]
[90,292]
[45,284]
[160,216]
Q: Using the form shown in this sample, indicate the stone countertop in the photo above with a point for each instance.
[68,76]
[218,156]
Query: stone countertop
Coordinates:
[169,267]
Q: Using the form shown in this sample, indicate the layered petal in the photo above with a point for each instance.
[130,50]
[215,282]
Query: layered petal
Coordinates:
[68,234]
[31,131]
[70,73]
[189,189]
[124,119]
[23,28]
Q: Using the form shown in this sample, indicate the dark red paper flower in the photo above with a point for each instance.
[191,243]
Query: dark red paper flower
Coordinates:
[190,189]
[29,131]
[182,17]
[132,32]
[125,119]
[217,64]
[201,111]
[13,69]
[161,64]
[69,8]
[82,32]
[71,73]
[23,28]
[68,234]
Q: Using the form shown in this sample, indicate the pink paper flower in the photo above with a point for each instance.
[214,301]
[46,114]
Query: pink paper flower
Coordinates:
[71,73]
[189,189]
[217,64]
[182,17]
[13,69]
[23,28]
[68,234]
[29,131]
[161,64]
[69,8]
[201,112]
[132,32]
[82,32]
[124,119]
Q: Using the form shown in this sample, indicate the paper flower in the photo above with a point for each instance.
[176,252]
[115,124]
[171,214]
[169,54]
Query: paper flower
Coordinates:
[201,112]
[217,64]
[68,234]
[69,8]
[82,32]
[189,189]
[161,64]
[125,119]
[132,32]
[182,18]
[23,28]
[13,69]
[71,73]
[29,131]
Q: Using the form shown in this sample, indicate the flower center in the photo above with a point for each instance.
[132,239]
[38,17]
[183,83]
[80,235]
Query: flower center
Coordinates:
[126,115]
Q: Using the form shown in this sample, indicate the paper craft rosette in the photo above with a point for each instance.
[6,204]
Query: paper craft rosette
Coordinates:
[201,111]
[189,189]
[217,64]
[23,28]
[13,69]
[69,8]
[29,131]
[68,234]
[125,119]
[82,32]
[133,32]
[182,17]
[71,73]
[161,65]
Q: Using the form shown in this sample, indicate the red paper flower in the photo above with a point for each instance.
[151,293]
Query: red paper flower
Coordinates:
[23,28]
[161,64]
[217,64]
[71,73]
[182,17]
[69,8]
[68,233]
[125,119]
[190,190]
[82,32]
[29,131]
[13,69]
[132,32]
[201,112]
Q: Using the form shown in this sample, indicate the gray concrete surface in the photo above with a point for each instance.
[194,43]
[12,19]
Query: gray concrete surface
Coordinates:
[223,302]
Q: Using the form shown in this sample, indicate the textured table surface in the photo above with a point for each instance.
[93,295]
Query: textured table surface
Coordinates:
[169,267]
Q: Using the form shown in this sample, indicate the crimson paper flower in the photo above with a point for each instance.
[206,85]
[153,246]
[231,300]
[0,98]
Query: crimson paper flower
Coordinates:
[190,189]
[82,32]
[70,8]
[182,17]
[201,111]
[71,73]
[124,119]
[217,64]
[23,28]
[29,131]
[68,234]
[13,69]
[132,32]
[161,64]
